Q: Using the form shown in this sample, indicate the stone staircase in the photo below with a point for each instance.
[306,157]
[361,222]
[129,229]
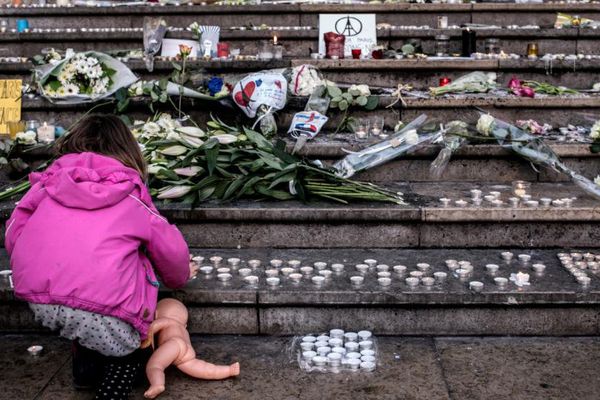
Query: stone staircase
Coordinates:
[421,232]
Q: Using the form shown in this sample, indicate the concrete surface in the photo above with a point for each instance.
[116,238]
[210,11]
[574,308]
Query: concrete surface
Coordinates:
[438,368]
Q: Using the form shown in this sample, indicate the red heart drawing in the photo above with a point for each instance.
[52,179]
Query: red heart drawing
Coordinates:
[243,96]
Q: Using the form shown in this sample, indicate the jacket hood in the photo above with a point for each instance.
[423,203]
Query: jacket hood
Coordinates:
[88,181]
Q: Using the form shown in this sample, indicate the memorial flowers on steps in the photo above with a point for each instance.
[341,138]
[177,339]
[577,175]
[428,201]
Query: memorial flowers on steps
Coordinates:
[82,77]
[224,163]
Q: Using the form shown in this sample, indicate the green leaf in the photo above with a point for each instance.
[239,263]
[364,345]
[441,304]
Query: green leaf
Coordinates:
[348,97]
[354,92]
[337,99]
[271,161]
[248,186]
[176,66]
[54,85]
[109,71]
[233,187]
[372,103]
[205,193]
[343,106]
[334,91]
[279,151]
[167,174]
[259,140]
[276,194]
[212,153]
[361,101]
[284,178]
[595,148]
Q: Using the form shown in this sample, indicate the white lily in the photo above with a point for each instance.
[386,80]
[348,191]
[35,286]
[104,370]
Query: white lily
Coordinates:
[175,150]
[174,192]
[191,131]
[226,138]
[154,168]
[188,171]
[191,141]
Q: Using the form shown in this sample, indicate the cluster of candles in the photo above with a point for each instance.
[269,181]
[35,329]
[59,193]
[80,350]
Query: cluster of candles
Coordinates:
[337,351]
[520,197]
[276,271]
[44,133]
[577,264]
[370,127]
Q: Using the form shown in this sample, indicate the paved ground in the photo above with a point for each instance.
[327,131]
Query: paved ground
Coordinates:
[410,368]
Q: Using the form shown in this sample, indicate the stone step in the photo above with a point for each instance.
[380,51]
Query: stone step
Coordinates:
[423,223]
[557,111]
[421,74]
[543,14]
[472,163]
[300,43]
[554,303]
[438,368]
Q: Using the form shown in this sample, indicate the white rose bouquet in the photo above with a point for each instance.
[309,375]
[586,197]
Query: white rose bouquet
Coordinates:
[82,78]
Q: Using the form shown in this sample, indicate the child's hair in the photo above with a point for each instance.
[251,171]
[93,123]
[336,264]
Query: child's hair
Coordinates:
[107,135]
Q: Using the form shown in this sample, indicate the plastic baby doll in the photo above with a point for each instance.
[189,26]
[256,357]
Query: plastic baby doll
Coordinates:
[175,347]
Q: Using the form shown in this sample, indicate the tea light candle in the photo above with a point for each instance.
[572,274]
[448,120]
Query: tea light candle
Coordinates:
[364,335]
[46,133]
[524,258]
[360,133]
[584,280]
[337,267]
[501,282]
[440,276]
[216,260]
[384,281]
[357,280]
[416,274]
[309,338]
[272,273]
[532,51]
[365,344]
[318,280]
[445,201]
[223,270]
[370,262]
[276,263]
[319,361]
[475,193]
[412,282]
[546,202]
[450,262]
[273,281]
[287,270]
[320,265]
[382,268]
[244,271]
[254,264]
[309,354]
[384,274]
[198,259]
[424,267]
[532,203]
[476,286]
[335,359]
[307,346]
[351,336]
[362,268]
[367,366]
[489,198]
[506,255]
[295,277]
[35,350]
[460,203]
[206,270]
[353,354]
[368,358]
[351,347]
[354,363]
[234,262]
[399,269]
[323,351]
[325,273]
[428,281]
[497,203]
[520,279]
[514,202]
[496,194]
[336,333]
[339,350]
[294,263]
[367,352]
[306,270]
[492,268]
[539,268]
[520,188]
[224,277]
[462,273]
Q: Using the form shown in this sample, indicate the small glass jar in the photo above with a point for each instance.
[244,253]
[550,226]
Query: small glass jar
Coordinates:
[492,46]
[442,45]
[361,130]
[521,188]
[334,45]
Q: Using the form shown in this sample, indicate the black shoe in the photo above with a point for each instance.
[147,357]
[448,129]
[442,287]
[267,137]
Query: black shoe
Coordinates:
[87,367]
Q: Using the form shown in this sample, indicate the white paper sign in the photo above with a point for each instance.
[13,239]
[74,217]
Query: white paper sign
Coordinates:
[360,31]
[170,47]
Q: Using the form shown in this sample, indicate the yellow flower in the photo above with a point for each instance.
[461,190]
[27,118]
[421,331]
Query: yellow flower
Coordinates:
[184,50]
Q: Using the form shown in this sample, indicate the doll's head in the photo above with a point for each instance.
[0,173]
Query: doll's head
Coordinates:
[174,309]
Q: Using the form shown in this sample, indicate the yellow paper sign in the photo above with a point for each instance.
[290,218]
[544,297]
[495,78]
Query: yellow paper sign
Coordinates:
[10,102]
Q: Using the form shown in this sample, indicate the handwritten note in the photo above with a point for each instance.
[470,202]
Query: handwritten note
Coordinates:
[10,102]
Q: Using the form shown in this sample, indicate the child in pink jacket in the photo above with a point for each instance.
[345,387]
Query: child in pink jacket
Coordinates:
[84,243]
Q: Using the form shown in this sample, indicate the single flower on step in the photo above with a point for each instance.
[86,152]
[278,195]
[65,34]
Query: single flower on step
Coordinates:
[595,131]
[184,50]
[173,192]
[226,138]
[175,150]
[485,124]
[188,171]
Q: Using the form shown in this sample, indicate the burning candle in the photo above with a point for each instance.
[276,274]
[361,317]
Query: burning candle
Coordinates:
[469,42]
[442,22]
[274,40]
[222,50]
[45,133]
[444,81]
[532,51]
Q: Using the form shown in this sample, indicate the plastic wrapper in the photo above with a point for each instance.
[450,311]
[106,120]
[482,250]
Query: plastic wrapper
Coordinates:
[451,144]
[261,95]
[405,141]
[173,89]
[155,30]
[122,78]
[535,150]
[329,353]
[306,125]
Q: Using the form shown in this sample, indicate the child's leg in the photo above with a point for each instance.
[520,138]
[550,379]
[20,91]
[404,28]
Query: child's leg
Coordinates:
[87,367]
[205,370]
[162,357]
[119,375]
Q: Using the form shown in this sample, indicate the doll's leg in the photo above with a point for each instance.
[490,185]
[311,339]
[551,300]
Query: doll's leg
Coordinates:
[162,357]
[205,370]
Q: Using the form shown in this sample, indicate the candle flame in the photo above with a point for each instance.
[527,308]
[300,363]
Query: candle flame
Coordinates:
[275,39]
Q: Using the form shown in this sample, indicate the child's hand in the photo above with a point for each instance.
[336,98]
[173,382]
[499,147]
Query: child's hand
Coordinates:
[193,269]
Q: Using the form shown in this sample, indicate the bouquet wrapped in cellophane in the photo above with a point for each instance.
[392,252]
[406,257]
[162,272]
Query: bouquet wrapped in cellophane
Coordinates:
[83,78]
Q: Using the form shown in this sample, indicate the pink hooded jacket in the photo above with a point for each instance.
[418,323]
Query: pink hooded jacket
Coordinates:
[87,235]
